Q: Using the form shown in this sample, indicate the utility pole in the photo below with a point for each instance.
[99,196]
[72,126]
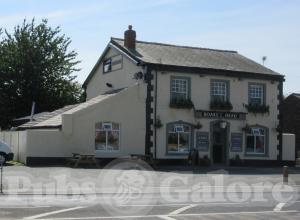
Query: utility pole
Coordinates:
[2,160]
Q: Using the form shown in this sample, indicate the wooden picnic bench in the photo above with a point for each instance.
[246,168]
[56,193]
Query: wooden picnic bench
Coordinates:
[78,159]
[147,158]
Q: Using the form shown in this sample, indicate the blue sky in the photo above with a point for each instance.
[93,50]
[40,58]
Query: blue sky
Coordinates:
[254,28]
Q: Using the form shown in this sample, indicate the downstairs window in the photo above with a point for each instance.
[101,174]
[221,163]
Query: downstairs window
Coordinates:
[107,136]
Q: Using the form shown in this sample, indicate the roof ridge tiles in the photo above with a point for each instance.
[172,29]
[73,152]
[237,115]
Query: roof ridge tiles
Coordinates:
[181,46]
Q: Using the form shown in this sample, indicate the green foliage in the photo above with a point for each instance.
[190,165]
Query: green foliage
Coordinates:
[256,108]
[181,103]
[36,65]
[220,105]
[158,123]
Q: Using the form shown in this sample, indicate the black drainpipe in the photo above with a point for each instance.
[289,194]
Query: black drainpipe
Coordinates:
[155,115]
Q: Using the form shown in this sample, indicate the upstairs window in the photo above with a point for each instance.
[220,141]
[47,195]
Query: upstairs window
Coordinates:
[256,94]
[107,65]
[107,137]
[219,90]
[179,138]
[179,88]
[256,140]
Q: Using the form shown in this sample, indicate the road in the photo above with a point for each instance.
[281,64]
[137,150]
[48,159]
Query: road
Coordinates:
[65,207]
[40,193]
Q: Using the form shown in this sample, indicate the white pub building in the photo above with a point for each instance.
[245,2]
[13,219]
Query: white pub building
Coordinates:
[164,101]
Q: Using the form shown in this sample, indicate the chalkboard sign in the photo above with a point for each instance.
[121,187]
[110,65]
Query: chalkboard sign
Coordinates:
[236,142]
[202,143]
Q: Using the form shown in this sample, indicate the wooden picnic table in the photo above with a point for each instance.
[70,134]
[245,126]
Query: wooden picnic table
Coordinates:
[78,159]
[146,158]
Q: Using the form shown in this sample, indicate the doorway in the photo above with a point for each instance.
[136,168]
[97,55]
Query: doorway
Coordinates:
[219,142]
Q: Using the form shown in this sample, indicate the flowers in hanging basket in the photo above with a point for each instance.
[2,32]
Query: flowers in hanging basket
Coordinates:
[158,123]
[217,104]
[181,103]
[258,108]
[246,128]
[198,126]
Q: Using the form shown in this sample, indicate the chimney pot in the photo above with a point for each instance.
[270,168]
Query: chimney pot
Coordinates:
[130,38]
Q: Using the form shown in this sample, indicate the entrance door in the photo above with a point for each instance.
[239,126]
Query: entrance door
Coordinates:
[219,136]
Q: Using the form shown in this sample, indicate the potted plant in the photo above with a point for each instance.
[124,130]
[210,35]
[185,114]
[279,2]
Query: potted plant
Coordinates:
[198,125]
[205,161]
[158,123]
[236,161]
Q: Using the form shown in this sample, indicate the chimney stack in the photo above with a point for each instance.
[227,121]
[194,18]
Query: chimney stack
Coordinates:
[129,38]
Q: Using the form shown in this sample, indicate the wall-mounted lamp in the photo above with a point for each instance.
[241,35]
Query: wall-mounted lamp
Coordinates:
[109,85]
[138,75]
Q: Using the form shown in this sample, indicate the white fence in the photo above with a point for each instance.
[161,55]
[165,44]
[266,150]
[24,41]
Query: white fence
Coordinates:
[17,141]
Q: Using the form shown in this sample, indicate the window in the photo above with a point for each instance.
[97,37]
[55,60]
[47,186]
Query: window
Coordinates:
[107,65]
[256,94]
[179,138]
[219,90]
[107,137]
[256,140]
[179,88]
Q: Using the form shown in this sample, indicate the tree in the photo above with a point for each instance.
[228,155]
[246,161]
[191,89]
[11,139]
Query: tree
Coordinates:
[36,65]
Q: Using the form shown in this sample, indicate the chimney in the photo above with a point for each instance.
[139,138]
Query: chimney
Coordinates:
[129,38]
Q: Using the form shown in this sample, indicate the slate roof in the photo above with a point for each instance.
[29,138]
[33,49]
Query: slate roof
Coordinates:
[54,119]
[185,56]
[43,117]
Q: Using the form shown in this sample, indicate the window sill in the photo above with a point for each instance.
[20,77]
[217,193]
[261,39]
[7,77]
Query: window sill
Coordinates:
[108,151]
[177,153]
[256,155]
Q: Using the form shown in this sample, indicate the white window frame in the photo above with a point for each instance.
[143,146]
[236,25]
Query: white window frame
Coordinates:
[255,132]
[217,87]
[177,86]
[107,62]
[103,129]
[176,131]
[254,92]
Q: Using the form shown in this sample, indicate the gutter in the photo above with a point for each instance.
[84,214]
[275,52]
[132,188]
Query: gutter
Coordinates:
[218,72]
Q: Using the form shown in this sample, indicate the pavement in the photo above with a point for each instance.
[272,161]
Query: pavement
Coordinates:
[169,193]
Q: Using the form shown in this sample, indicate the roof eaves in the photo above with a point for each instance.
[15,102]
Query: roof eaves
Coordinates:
[91,74]
[39,127]
[224,72]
